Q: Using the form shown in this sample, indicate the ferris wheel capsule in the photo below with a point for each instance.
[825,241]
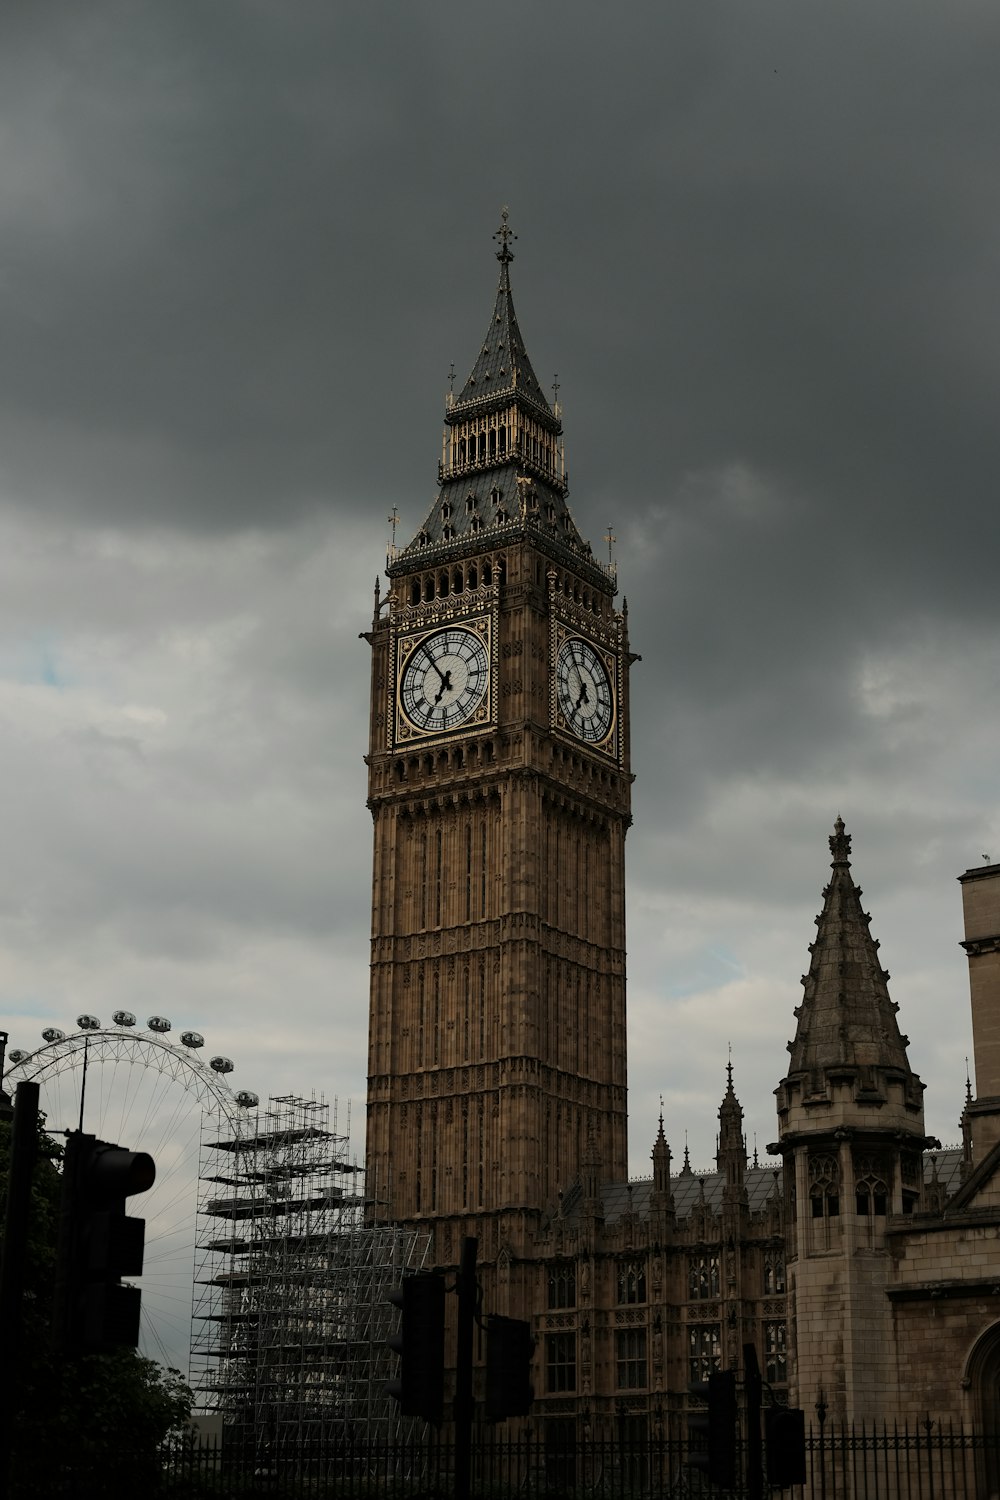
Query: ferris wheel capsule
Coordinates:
[53,1034]
[222,1064]
[158,1023]
[123,1018]
[247,1099]
[192,1039]
[17,1056]
[88,1023]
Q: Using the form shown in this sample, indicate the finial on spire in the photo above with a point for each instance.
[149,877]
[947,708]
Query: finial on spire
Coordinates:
[391,549]
[505,234]
[840,843]
[968,1085]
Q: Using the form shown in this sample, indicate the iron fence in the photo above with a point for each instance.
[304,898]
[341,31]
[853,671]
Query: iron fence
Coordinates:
[888,1462]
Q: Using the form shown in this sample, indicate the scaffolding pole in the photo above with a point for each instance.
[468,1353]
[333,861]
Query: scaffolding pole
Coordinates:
[292,1278]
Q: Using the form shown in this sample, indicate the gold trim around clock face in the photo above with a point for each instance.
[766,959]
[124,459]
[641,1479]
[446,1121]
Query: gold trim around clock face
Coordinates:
[585,691]
[444,680]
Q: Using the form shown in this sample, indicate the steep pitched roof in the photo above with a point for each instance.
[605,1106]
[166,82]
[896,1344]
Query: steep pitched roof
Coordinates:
[515,484]
[502,367]
[846,1019]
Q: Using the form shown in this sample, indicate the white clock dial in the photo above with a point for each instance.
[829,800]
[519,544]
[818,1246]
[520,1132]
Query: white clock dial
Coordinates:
[445,680]
[583,691]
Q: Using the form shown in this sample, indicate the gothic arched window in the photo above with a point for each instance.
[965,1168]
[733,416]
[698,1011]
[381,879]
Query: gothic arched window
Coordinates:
[824,1186]
[871,1192]
[631,1281]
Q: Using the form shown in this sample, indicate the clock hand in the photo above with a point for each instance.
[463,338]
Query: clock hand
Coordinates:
[445,686]
[583,696]
[434,665]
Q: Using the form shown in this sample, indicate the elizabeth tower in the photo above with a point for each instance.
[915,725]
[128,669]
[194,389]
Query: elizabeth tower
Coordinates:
[499,786]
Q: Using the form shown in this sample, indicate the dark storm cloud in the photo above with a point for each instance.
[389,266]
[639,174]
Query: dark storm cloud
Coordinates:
[240,245]
[242,253]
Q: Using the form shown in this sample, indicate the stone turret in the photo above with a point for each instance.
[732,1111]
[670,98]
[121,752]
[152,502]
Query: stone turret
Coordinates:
[661,1199]
[850,1112]
[731,1154]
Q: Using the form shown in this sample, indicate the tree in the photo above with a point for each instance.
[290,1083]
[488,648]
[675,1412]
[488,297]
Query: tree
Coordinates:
[86,1426]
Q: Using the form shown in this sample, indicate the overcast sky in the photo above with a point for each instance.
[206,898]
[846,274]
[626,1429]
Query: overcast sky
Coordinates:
[241,243]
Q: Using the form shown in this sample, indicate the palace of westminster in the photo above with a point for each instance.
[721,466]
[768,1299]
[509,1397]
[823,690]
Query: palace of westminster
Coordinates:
[863,1261]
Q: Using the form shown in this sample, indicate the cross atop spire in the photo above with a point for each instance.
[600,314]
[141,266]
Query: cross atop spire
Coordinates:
[840,844]
[505,234]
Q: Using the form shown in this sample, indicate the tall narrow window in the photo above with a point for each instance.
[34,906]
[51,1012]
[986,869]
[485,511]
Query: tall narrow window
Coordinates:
[562,1284]
[560,1362]
[468,872]
[437,1015]
[465,1157]
[482,1009]
[775,1353]
[704,1351]
[483,861]
[423,882]
[465,1013]
[774,1273]
[824,1186]
[481,1147]
[630,1359]
[420,1155]
[631,1281]
[554,874]
[703,1277]
[871,1191]
[438,867]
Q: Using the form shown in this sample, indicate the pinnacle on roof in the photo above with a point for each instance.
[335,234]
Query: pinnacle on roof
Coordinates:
[730,1110]
[731,1143]
[846,1019]
[502,365]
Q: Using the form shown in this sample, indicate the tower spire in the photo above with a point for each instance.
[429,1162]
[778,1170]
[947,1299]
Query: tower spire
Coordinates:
[503,465]
[846,1019]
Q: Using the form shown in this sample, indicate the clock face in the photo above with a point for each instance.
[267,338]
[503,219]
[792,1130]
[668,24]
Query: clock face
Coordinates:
[583,691]
[444,680]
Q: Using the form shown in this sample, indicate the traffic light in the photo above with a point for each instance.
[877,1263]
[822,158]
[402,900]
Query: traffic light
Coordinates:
[509,1347]
[99,1244]
[419,1388]
[712,1430]
[785,1434]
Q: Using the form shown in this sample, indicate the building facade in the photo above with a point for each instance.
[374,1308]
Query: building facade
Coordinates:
[862,1261]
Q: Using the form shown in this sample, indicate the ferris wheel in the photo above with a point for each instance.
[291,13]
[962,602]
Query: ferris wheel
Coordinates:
[134,1086]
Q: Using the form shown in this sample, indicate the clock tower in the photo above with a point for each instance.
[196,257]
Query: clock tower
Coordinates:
[499,787]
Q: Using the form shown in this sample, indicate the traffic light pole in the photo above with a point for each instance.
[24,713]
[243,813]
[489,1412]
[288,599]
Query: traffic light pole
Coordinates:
[23,1149]
[752,1388]
[467,1298]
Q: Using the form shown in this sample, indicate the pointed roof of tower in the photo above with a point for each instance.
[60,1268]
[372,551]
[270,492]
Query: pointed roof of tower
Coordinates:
[502,474]
[730,1115]
[846,1018]
[502,366]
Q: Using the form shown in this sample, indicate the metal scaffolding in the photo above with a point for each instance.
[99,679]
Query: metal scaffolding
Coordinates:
[291,1284]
